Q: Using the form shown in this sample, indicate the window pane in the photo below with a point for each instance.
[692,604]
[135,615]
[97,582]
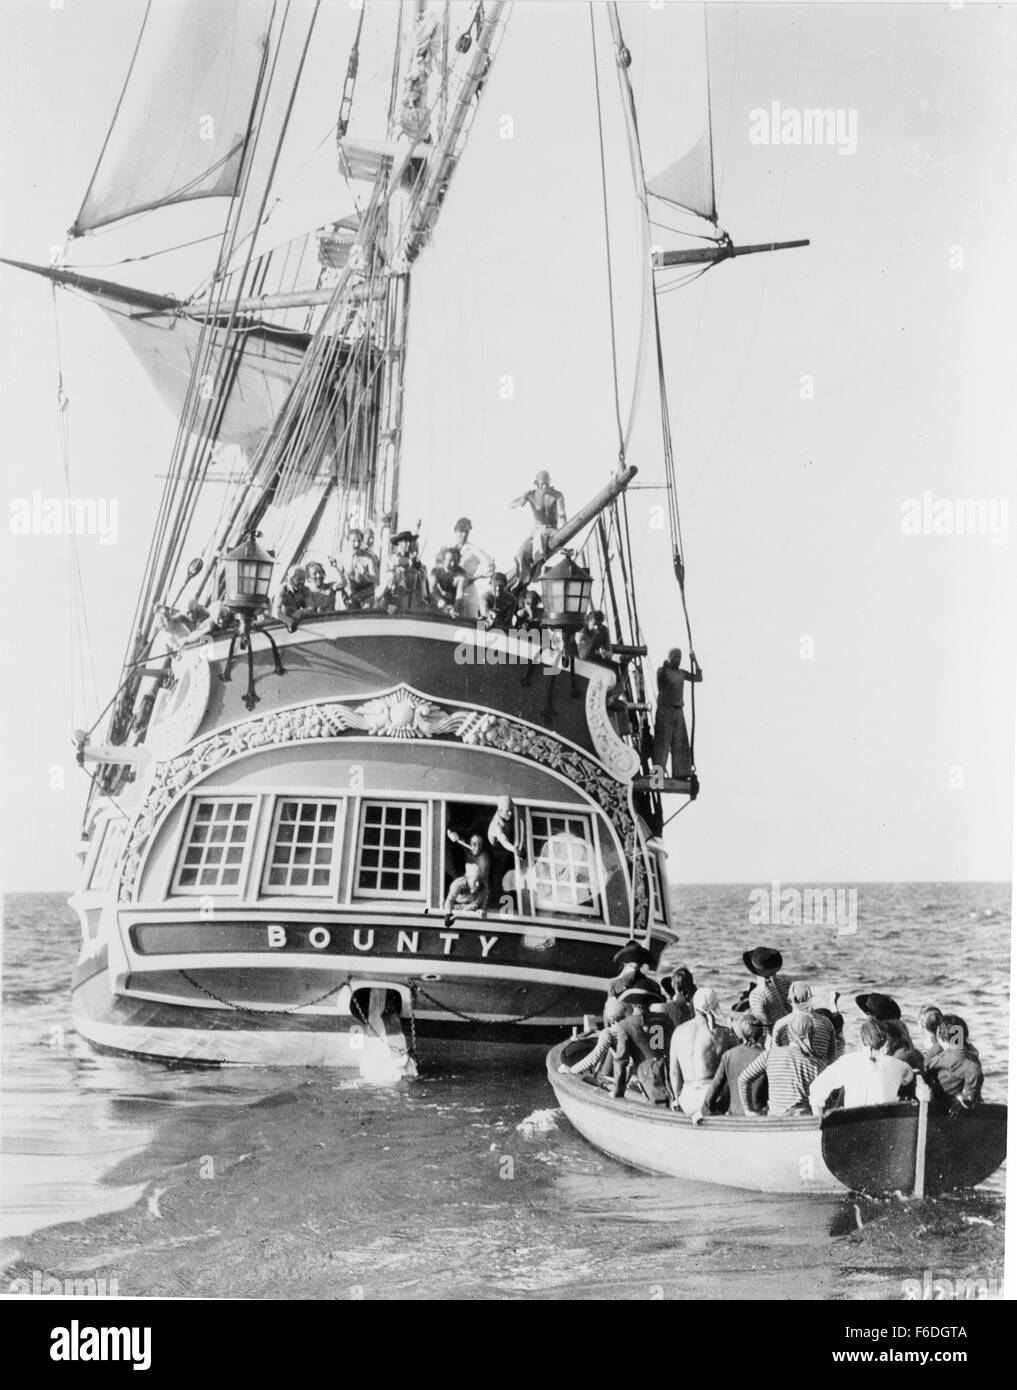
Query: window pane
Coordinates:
[212,854]
[390,858]
[301,839]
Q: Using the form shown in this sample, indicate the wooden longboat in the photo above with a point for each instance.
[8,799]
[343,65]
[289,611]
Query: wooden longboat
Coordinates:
[871,1149]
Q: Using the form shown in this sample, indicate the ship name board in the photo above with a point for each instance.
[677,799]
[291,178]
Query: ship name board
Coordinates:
[320,939]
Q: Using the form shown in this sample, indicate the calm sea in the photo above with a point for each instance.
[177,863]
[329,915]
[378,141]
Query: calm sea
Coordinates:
[85,1134]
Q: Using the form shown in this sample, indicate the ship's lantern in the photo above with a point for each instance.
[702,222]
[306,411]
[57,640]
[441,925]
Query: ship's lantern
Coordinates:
[248,576]
[566,589]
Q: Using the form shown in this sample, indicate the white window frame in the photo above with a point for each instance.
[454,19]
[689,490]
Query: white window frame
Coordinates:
[275,890]
[400,895]
[596,910]
[237,890]
[110,842]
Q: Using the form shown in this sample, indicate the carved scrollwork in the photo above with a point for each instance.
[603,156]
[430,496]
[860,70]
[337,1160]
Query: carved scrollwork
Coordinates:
[400,713]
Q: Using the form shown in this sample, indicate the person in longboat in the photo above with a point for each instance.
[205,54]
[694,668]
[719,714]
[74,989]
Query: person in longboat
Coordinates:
[824,1035]
[475,853]
[869,1076]
[633,961]
[405,590]
[954,1075]
[448,583]
[680,988]
[929,1019]
[969,1046]
[721,1096]
[887,1011]
[635,1045]
[696,1050]
[548,507]
[789,1070]
[477,565]
[294,600]
[768,997]
[593,641]
[670,735]
[466,894]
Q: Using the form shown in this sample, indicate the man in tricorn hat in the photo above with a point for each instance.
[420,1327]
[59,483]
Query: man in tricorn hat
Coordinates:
[768,998]
[636,1045]
[405,590]
[633,961]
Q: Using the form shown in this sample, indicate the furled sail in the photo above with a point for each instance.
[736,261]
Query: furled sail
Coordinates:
[179,130]
[670,84]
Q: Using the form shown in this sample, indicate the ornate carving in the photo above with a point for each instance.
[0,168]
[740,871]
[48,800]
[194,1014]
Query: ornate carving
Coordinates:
[620,757]
[180,710]
[400,713]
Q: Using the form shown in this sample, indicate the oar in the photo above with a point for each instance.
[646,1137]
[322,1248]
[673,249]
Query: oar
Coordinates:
[923,1138]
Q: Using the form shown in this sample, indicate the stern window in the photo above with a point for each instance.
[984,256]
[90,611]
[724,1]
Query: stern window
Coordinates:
[301,856]
[565,877]
[390,850]
[215,847]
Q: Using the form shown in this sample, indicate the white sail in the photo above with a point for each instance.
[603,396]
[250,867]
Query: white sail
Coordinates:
[168,348]
[180,127]
[670,83]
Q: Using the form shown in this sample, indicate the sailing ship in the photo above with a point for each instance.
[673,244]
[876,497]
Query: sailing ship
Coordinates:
[265,852]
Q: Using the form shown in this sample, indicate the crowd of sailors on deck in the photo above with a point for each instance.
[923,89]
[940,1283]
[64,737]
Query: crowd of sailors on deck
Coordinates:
[774,1052]
[463,582]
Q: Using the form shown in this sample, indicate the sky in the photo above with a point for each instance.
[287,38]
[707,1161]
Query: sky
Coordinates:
[857,717]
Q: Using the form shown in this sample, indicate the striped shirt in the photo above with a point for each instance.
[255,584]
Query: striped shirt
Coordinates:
[824,1037]
[768,1001]
[789,1074]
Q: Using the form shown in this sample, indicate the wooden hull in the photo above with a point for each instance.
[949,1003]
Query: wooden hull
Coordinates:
[198,1032]
[871,1149]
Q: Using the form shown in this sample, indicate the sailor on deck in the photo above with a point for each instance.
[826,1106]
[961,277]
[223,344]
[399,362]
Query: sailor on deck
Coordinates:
[548,507]
[478,567]
[670,736]
[405,590]
[359,570]
[294,600]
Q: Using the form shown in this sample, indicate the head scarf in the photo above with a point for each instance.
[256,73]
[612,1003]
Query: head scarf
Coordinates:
[800,1032]
[705,1002]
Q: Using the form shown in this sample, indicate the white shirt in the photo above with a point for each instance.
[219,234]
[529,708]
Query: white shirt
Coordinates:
[866,1080]
[479,567]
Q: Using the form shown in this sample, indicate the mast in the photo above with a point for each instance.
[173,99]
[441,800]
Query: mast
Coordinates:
[412,212]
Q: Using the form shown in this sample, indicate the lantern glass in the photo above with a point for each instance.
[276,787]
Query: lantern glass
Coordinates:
[248,576]
[567,589]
